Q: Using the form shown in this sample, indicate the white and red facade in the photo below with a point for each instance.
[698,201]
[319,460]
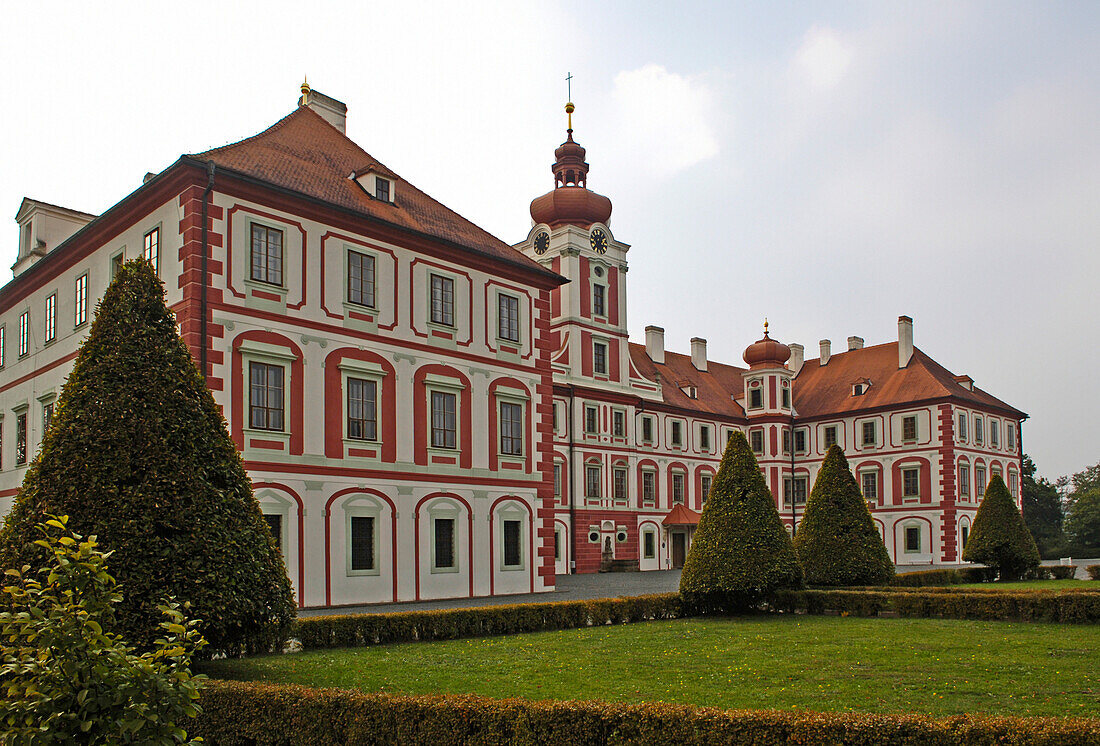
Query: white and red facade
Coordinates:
[514,430]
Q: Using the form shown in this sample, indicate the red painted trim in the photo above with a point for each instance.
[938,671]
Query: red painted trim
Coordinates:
[328,536]
[469,535]
[334,403]
[422,415]
[229,252]
[297,388]
[532,555]
[40,370]
[395,297]
[301,533]
[465,322]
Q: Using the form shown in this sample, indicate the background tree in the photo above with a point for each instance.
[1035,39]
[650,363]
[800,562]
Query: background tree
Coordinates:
[68,678]
[1042,509]
[837,542]
[1083,524]
[999,537]
[138,454]
[741,551]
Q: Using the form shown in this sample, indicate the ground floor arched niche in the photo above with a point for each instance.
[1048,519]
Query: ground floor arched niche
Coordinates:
[361,548]
[282,510]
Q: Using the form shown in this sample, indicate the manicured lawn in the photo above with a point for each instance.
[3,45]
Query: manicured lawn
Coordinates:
[940,667]
[1030,585]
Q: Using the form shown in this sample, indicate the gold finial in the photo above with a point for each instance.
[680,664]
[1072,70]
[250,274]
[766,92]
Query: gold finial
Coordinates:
[569,98]
[305,90]
[569,111]
[765,326]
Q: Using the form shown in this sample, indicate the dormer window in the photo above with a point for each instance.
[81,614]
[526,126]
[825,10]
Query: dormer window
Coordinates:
[691,391]
[860,387]
[378,184]
[382,189]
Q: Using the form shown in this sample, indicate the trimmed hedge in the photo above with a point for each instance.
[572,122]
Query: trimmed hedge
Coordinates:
[1063,572]
[356,630]
[1034,606]
[238,713]
[945,576]
[999,537]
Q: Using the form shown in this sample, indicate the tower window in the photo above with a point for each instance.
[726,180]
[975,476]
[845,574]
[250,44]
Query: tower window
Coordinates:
[591,420]
[618,424]
[756,398]
[756,438]
[599,307]
[599,358]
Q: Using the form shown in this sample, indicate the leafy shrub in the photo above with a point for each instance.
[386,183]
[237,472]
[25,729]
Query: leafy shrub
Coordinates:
[741,551]
[999,537]
[354,630]
[68,678]
[1039,573]
[1063,572]
[1093,571]
[929,577]
[138,454]
[239,713]
[837,542]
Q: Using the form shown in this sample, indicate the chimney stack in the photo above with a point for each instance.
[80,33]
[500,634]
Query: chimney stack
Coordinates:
[699,353]
[798,356]
[332,111]
[855,343]
[826,351]
[655,344]
[905,340]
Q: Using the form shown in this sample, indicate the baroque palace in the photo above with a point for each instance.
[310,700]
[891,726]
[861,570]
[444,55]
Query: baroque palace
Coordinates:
[428,412]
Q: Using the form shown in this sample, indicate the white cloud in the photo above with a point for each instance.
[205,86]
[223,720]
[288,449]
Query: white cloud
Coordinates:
[823,58]
[663,117]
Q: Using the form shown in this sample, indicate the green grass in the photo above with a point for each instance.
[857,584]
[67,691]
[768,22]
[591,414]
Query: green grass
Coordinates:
[1031,585]
[939,667]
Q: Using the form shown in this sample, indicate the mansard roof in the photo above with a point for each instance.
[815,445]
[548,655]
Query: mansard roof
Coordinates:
[819,391]
[304,153]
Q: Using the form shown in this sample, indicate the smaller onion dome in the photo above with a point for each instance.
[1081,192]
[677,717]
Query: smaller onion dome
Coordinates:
[767,352]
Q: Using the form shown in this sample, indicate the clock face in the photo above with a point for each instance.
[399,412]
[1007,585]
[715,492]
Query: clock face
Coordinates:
[542,242]
[599,241]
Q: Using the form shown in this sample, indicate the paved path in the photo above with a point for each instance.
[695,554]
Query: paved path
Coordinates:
[569,588]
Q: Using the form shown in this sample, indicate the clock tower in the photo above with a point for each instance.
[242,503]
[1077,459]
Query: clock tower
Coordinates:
[571,235]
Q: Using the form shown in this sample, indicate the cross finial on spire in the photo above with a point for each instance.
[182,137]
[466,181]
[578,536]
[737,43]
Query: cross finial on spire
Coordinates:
[569,102]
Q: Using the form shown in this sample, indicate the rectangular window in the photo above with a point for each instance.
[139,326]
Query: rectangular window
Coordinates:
[512,554]
[756,438]
[910,482]
[444,419]
[361,279]
[619,484]
[24,333]
[704,486]
[275,526]
[267,255]
[265,396]
[47,417]
[994,433]
[786,441]
[598,305]
[909,429]
[116,264]
[444,543]
[704,437]
[830,437]
[591,420]
[1010,429]
[511,429]
[557,480]
[557,545]
[870,433]
[618,424]
[870,486]
[649,545]
[443,300]
[1012,484]
[979,430]
[786,398]
[2,345]
[649,487]
[21,439]
[963,421]
[979,481]
[965,535]
[81,298]
[756,398]
[592,482]
[508,317]
[964,482]
[795,493]
[912,539]
[677,488]
[51,318]
[677,434]
[362,542]
[599,358]
[647,429]
[150,249]
[382,189]
[799,441]
[362,409]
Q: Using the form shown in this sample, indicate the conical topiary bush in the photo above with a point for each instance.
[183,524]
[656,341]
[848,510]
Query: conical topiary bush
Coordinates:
[741,551]
[139,455]
[999,537]
[837,542]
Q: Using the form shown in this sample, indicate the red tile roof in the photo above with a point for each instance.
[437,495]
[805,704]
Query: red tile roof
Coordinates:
[680,516]
[304,153]
[818,391]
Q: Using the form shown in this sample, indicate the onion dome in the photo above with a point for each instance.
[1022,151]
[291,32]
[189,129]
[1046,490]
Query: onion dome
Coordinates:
[767,352]
[570,202]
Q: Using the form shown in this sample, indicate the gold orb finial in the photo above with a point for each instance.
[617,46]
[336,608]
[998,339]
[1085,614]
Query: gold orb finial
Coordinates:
[569,108]
[765,326]
[305,89]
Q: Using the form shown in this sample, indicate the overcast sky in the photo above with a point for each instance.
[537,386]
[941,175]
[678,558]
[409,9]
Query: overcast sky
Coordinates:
[827,165]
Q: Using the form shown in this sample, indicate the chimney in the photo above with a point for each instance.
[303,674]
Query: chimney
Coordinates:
[855,343]
[332,111]
[826,351]
[699,353]
[798,356]
[905,340]
[655,344]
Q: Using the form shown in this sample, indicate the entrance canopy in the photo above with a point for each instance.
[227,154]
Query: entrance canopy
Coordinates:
[680,516]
